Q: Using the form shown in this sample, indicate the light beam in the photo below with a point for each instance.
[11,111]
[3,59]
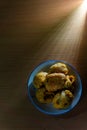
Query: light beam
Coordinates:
[64,42]
[84,5]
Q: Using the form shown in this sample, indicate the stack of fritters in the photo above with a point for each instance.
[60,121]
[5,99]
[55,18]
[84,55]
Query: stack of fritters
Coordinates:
[55,86]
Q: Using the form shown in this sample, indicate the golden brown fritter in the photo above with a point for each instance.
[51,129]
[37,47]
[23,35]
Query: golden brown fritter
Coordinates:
[58,68]
[40,95]
[55,81]
[39,79]
[43,96]
[70,79]
[56,86]
[62,100]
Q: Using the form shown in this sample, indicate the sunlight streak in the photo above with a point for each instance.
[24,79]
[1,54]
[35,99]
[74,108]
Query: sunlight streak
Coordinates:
[64,42]
[84,5]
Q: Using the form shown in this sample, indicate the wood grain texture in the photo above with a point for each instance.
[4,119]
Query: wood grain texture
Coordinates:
[26,39]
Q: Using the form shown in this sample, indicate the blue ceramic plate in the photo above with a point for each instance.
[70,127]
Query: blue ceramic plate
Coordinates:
[48,108]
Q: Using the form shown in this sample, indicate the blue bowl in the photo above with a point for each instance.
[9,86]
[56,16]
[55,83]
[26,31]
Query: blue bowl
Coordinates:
[48,108]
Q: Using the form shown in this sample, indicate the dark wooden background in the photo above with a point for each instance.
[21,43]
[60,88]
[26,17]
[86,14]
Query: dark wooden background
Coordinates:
[25,30]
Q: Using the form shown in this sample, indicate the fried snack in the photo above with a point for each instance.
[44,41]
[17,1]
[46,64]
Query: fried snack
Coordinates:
[48,97]
[39,79]
[55,81]
[58,68]
[70,79]
[43,96]
[40,95]
[62,100]
[56,86]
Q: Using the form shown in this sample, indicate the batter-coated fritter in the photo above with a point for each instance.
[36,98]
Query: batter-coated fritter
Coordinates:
[70,79]
[63,99]
[43,96]
[58,68]
[55,81]
[39,79]
[56,86]
[40,95]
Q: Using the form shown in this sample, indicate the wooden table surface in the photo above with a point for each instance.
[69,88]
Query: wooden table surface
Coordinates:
[32,32]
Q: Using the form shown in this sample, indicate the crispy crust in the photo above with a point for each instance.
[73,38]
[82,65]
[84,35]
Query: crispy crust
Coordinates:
[58,68]
[39,79]
[55,81]
[62,100]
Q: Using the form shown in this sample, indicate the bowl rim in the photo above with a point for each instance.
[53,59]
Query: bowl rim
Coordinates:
[64,110]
